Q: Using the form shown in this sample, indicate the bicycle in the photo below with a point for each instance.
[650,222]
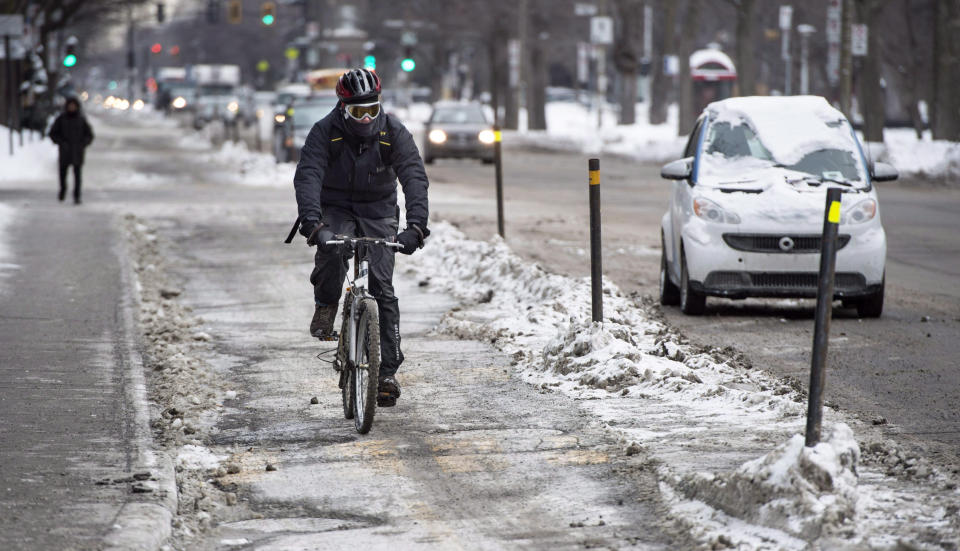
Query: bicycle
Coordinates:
[358,343]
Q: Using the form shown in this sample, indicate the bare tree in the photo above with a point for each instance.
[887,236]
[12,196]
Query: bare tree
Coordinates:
[746,45]
[870,91]
[691,21]
[626,54]
[663,84]
[945,112]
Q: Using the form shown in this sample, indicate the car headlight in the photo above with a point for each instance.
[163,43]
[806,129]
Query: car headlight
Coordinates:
[233,106]
[179,102]
[712,212]
[864,211]
[279,118]
[138,105]
[437,136]
[486,137]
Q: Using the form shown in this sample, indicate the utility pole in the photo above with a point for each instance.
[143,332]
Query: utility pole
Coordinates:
[522,63]
[846,58]
[805,32]
[786,22]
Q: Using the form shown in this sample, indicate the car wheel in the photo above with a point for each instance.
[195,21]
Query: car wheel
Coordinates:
[872,306]
[669,293]
[692,303]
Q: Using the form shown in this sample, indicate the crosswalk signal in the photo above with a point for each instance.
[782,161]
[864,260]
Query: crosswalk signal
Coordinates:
[235,12]
[268,13]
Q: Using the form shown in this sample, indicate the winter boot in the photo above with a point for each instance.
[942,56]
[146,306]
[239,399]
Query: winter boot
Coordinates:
[321,326]
[388,391]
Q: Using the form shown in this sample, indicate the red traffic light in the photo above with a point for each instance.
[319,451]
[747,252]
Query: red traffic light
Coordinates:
[175,50]
[156,48]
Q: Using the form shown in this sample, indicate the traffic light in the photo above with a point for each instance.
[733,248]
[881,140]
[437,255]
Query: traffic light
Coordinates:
[70,53]
[407,63]
[369,62]
[161,15]
[156,48]
[268,13]
[235,12]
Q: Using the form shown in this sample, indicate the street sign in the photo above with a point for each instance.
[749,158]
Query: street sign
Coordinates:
[786,17]
[513,62]
[583,62]
[858,39]
[671,65]
[408,38]
[11,25]
[834,12]
[601,29]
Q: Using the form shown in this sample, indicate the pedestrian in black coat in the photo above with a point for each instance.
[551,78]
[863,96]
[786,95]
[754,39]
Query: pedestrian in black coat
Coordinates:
[72,133]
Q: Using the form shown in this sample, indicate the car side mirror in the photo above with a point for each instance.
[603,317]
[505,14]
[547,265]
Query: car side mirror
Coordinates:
[678,170]
[882,172]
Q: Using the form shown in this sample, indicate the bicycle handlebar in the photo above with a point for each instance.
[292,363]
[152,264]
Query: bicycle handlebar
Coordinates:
[343,239]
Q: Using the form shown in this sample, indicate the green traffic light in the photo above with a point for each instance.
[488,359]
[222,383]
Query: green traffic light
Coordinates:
[70,60]
[369,62]
[267,19]
[408,65]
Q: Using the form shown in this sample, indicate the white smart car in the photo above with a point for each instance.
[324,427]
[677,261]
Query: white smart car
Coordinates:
[747,208]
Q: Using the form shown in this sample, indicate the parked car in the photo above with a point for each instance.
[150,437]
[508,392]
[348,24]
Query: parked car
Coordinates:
[299,118]
[747,207]
[459,130]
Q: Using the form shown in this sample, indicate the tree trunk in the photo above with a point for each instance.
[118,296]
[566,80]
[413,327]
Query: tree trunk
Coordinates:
[746,62]
[945,115]
[687,45]
[846,60]
[626,57]
[662,87]
[870,94]
[536,87]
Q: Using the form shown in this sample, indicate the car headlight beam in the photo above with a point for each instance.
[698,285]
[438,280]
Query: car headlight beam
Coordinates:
[437,136]
[486,137]
[712,212]
[179,102]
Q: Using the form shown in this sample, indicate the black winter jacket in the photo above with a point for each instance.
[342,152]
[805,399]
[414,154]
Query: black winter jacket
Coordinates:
[357,179]
[73,134]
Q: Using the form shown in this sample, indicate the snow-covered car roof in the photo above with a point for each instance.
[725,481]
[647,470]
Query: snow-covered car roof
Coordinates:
[790,127]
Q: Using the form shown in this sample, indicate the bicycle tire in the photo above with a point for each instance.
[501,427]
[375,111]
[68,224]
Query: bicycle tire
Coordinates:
[366,371]
[346,381]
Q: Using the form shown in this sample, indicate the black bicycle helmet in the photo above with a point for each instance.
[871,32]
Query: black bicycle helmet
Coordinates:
[358,86]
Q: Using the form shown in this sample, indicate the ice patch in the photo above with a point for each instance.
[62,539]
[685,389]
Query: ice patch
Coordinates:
[193,456]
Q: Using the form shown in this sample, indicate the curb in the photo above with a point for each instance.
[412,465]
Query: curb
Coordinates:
[141,525]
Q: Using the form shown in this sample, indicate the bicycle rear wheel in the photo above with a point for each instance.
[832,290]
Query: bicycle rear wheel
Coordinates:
[346,371]
[366,372]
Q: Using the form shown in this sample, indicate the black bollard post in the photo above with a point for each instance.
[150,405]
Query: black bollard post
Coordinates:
[498,161]
[596,264]
[821,328]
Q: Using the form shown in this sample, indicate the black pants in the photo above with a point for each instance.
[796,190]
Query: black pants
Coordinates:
[331,269]
[76,180]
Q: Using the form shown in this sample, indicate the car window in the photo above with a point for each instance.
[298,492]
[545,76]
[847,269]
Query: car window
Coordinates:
[827,163]
[691,148]
[458,115]
[734,140]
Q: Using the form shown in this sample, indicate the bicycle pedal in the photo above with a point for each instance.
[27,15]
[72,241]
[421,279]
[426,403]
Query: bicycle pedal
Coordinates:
[332,337]
[386,400]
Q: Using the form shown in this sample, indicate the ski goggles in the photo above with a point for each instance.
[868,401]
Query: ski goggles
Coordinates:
[358,111]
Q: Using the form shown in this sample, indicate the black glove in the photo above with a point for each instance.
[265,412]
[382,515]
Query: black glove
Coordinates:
[411,238]
[320,235]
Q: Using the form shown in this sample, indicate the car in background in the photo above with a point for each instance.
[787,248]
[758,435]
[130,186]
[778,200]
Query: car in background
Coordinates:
[458,130]
[747,206]
[291,134]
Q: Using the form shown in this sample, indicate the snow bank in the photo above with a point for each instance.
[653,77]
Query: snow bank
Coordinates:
[796,489]
[255,168]
[704,415]
[193,456]
[924,157]
[35,161]
[573,126]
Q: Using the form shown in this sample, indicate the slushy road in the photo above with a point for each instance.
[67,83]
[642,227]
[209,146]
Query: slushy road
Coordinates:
[899,368]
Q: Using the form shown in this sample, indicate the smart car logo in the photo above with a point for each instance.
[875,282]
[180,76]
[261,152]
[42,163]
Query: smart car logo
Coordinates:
[786,244]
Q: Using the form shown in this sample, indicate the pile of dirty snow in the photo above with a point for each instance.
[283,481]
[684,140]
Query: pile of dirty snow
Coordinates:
[924,157]
[254,168]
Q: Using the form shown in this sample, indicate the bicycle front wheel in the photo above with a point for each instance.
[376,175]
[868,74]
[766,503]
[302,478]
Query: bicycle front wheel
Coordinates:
[366,372]
[346,372]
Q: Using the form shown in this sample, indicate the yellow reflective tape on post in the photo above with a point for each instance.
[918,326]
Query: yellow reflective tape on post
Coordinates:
[594,177]
[834,215]
[498,136]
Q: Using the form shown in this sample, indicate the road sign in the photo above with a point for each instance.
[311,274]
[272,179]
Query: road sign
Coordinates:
[601,30]
[408,38]
[11,25]
[858,39]
[786,17]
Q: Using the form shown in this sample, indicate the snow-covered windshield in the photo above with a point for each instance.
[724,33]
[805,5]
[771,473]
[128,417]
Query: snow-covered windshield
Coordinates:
[748,136]
[727,141]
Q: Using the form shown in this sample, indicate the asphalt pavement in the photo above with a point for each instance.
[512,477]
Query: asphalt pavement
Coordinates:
[899,371]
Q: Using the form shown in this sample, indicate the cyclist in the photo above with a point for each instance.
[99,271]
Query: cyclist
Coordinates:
[346,184]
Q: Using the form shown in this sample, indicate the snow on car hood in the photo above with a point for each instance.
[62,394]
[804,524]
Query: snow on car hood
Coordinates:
[790,127]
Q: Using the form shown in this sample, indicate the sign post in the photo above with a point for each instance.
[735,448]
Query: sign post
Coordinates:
[601,35]
[11,26]
[786,22]
[859,35]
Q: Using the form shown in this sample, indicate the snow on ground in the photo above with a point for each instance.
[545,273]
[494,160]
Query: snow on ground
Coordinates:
[35,161]
[921,157]
[255,168]
[732,464]
[7,214]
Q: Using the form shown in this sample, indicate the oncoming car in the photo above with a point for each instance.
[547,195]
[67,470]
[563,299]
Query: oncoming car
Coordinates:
[291,133]
[458,130]
[747,206]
